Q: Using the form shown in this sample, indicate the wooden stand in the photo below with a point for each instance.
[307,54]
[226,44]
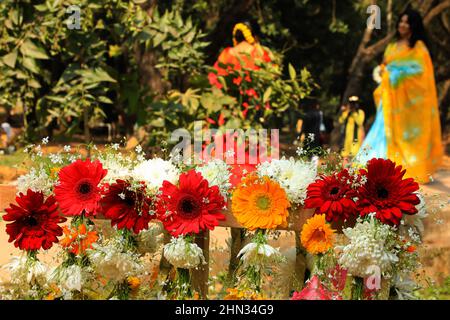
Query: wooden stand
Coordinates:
[200,276]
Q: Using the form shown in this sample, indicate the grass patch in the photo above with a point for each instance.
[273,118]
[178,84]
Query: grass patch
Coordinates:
[435,292]
[13,160]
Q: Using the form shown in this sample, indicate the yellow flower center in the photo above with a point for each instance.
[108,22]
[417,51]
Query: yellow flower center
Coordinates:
[263,202]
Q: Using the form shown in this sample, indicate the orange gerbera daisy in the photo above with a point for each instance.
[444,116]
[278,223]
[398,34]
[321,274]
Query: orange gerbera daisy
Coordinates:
[78,239]
[260,203]
[317,235]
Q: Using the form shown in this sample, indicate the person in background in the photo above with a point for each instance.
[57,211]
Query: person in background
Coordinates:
[407,127]
[247,54]
[352,121]
[311,126]
[6,124]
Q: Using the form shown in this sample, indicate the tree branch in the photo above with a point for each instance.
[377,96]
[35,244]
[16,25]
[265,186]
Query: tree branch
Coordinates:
[425,6]
[436,11]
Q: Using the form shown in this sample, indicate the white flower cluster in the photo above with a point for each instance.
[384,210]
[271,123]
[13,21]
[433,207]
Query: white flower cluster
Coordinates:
[118,167]
[294,176]
[24,270]
[368,247]
[259,254]
[113,261]
[155,171]
[218,173]
[36,180]
[70,278]
[183,254]
[27,276]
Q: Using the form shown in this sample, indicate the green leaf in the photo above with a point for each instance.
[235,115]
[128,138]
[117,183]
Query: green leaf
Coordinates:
[56,99]
[267,94]
[210,103]
[160,37]
[29,49]
[10,59]
[104,99]
[292,72]
[34,84]
[30,64]
[96,75]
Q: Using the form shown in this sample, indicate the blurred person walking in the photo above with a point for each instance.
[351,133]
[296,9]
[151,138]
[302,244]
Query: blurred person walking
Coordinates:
[407,128]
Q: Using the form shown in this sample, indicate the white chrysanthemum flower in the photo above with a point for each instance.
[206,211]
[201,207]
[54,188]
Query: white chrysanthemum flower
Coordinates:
[112,261]
[37,180]
[26,271]
[294,176]
[151,239]
[368,248]
[258,254]
[155,171]
[218,173]
[70,278]
[183,254]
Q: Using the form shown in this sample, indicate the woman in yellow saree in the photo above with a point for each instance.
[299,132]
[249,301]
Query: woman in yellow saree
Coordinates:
[406,128]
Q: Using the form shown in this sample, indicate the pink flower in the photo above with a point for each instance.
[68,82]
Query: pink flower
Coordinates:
[314,290]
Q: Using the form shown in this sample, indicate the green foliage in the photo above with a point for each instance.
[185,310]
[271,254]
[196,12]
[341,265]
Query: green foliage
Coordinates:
[180,42]
[434,291]
[52,73]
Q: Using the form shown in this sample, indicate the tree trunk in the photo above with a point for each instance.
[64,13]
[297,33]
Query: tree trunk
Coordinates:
[444,102]
[200,276]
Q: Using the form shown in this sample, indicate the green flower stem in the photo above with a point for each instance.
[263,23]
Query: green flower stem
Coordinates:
[183,284]
[358,288]
[121,291]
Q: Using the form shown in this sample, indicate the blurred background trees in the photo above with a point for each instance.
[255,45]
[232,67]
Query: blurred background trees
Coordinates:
[144,63]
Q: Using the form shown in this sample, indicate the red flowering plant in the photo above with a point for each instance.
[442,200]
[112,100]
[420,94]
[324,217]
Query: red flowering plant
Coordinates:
[78,191]
[34,221]
[127,206]
[34,224]
[334,195]
[190,207]
[186,210]
[386,193]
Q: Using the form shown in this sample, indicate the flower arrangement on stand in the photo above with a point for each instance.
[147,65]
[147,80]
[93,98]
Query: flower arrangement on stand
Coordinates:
[109,213]
[34,225]
[380,246]
[259,204]
[186,210]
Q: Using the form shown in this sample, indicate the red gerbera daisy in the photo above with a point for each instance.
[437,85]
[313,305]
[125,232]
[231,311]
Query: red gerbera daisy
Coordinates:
[190,207]
[127,207]
[333,196]
[386,192]
[34,221]
[78,191]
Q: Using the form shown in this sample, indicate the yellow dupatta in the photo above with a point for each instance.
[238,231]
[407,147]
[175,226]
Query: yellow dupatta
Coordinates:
[410,108]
